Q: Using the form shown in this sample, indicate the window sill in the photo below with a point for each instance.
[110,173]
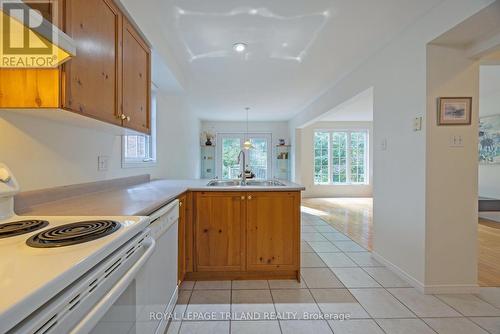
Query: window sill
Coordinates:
[138,164]
[341,184]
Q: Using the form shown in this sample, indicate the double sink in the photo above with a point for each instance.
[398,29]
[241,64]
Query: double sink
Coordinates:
[249,183]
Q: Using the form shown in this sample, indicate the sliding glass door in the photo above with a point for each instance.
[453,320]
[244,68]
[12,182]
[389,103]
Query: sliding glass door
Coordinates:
[258,158]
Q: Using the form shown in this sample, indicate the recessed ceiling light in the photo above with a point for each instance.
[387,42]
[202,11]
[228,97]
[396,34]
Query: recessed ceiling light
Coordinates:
[239,47]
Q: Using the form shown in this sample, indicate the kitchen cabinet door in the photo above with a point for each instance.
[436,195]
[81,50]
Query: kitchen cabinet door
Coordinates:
[136,80]
[219,231]
[182,237]
[273,231]
[92,79]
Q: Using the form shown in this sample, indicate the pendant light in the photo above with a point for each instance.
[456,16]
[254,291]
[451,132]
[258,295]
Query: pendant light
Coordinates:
[247,145]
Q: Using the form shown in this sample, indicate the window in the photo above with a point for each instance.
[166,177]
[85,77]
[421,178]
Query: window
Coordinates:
[231,147]
[258,159]
[140,150]
[341,157]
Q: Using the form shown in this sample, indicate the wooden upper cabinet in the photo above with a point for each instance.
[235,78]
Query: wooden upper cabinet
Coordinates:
[109,79]
[51,10]
[273,231]
[92,79]
[136,80]
[219,231]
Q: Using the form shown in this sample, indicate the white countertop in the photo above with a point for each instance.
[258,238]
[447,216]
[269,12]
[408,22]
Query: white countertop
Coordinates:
[137,200]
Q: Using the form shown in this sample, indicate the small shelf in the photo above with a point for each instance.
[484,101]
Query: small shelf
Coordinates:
[207,162]
[282,165]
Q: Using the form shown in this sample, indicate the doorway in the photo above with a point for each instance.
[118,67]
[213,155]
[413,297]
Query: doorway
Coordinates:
[258,159]
[489,176]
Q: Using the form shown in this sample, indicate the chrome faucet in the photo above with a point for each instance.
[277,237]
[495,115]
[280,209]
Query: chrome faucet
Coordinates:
[243,174]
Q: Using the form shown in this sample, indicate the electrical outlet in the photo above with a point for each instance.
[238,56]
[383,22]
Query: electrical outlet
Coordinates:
[102,163]
[456,141]
[417,124]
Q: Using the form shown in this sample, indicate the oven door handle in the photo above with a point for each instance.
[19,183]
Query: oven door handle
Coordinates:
[93,317]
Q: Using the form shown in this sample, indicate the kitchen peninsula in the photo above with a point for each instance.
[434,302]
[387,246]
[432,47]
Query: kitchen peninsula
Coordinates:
[226,230]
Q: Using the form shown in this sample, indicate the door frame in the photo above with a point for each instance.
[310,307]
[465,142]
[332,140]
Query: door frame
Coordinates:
[241,135]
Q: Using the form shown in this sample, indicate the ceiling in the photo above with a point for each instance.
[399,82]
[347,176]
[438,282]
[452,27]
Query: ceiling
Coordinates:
[296,48]
[478,27]
[357,109]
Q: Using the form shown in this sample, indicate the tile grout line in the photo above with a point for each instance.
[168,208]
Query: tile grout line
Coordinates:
[230,306]
[274,306]
[361,305]
[417,317]
[330,269]
[381,287]
[185,311]
[386,288]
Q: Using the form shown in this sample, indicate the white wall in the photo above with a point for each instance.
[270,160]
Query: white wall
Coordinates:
[489,104]
[44,153]
[398,74]
[306,162]
[278,130]
[451,176]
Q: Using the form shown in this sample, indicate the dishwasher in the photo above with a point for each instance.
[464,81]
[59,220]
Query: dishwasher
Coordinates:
[146,302]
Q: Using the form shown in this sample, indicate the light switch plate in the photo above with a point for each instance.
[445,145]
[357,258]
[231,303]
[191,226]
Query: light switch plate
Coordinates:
[383,144]
[102,163]
[456,141]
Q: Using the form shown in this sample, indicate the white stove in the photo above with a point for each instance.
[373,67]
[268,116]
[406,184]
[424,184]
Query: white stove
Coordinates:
[56,271]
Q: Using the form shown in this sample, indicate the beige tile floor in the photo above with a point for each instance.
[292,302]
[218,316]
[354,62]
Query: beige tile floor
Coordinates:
[339,277]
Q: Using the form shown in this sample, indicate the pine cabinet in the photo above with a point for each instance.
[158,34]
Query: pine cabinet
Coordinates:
[136,80]
[272,226]
[219,231]
[109,79]
[246,235]
[93,77]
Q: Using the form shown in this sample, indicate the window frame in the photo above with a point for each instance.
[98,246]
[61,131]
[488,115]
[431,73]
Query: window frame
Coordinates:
[348,132]
[243,136]
[151,140]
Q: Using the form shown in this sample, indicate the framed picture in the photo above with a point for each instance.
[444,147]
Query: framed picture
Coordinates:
[454,110]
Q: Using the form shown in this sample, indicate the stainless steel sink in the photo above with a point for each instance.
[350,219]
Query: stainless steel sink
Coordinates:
[224,183]
[250,183]
[264,183]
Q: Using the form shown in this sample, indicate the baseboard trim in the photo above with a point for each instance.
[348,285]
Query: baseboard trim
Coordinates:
[492,216]
[451,289]
[430,288]
[398,271]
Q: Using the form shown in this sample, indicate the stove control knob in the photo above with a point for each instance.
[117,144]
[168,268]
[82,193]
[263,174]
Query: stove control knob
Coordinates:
[4,175]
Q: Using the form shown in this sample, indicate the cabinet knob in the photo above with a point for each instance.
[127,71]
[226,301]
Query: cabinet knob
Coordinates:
[180,203]
[123,117]
[249,197]
[242,198]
